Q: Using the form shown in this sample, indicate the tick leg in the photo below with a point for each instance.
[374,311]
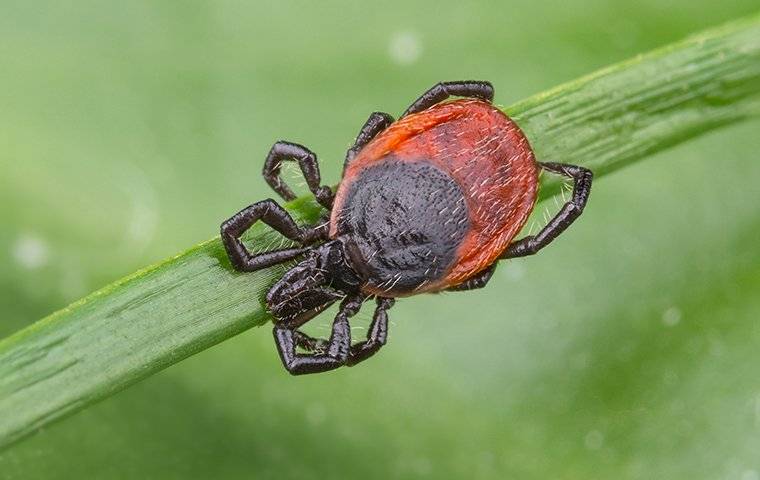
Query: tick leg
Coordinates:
[337,349]
[377,335]
[478,281]
[309,343]
[269,212]
[376,123]
[443,90]
[567,215]
[285,151]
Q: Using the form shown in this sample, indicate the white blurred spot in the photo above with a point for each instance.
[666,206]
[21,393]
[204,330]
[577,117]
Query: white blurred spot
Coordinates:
[594,440]
[671,317]
[30,251]
[142,224]
[316,414]
[142,219]
[515,271]
[405,48]
[750,475]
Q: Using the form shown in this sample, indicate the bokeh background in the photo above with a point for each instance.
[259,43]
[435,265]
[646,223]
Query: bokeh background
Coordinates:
[629,349]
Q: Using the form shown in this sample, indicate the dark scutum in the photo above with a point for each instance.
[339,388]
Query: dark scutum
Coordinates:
[402,223]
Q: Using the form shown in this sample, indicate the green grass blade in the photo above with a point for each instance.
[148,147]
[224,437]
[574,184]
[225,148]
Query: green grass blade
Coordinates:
[158,316]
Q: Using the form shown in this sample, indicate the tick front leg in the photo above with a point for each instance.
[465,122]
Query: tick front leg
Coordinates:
[269,212]
[443,90]
[286,151]
[566,216]
[478,281]
[376,123]
[377,335]
[336,351]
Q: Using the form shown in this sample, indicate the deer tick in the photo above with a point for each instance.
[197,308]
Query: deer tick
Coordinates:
[427,203]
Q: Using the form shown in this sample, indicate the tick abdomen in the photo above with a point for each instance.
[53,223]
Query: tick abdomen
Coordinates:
[402,223]
[473,149]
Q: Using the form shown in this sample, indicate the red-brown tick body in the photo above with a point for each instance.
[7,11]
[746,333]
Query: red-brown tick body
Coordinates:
[427,203]
[485,155]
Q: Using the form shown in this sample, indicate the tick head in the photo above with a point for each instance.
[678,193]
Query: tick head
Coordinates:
[301,294]
[323,277]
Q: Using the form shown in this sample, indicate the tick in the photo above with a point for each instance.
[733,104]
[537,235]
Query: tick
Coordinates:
[427,203]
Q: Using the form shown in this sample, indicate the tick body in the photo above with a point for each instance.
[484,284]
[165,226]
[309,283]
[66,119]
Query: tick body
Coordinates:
[427,203]
[440,194]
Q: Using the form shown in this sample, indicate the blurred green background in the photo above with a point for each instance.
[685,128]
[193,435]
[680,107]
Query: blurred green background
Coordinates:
[129,130]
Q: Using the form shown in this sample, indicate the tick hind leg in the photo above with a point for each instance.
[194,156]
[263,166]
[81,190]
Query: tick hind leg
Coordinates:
[334,353]
[307,161]
[269,212]
[376,123]
[443,90]
[582,178]
[376,336]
